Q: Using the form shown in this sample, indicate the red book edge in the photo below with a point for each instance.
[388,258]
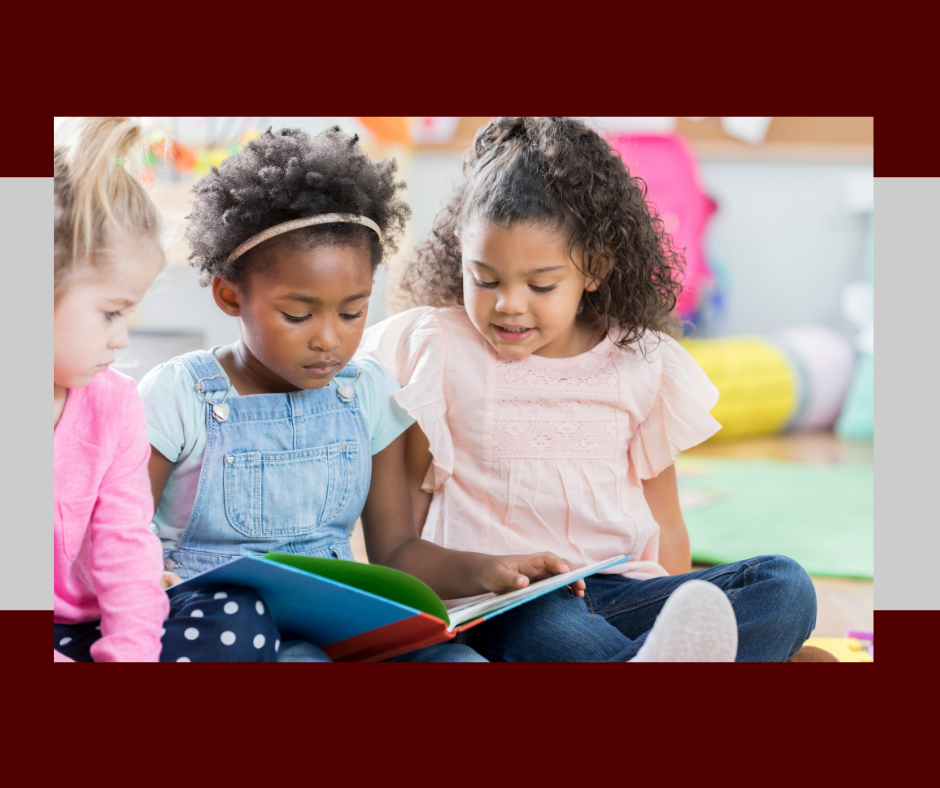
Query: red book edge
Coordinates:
[394,639]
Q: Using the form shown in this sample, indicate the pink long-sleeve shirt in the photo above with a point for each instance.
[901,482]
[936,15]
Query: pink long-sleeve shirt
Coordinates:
[108,562]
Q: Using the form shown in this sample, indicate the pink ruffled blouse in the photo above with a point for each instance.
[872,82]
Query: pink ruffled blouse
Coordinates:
[541,453]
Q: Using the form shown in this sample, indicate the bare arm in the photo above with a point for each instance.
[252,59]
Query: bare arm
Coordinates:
[393,540]
[418,460]
[159,468]
[662,495]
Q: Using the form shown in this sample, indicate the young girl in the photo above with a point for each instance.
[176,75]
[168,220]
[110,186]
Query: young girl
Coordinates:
[551,401]
[276,442]
[109,605]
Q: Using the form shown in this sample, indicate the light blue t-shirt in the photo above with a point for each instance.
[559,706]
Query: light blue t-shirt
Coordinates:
[176,427]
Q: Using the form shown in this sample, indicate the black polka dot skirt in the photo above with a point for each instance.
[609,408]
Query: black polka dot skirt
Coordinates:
[218,624]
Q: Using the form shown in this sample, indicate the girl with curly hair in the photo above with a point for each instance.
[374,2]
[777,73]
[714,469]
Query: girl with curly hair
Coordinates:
[277,442]
[551,401]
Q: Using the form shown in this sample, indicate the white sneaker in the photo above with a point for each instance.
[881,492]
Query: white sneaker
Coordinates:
[697,624]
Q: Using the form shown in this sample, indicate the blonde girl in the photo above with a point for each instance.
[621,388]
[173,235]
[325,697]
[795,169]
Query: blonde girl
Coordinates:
[109,604]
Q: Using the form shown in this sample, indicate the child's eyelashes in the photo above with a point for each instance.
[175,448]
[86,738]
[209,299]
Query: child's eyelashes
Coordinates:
[110,316]
[536,288]
[292,319]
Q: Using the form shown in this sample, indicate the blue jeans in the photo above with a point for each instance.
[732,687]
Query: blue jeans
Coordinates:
[772,596]
[300,651]
[441,652]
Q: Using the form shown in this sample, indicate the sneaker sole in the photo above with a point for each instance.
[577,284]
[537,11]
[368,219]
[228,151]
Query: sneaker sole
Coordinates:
[697,624]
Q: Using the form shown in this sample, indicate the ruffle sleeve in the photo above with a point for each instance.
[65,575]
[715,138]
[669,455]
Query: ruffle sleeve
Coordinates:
[680,417]
[411,346]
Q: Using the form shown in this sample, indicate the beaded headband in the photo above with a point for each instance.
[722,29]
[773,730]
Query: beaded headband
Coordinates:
[296,224]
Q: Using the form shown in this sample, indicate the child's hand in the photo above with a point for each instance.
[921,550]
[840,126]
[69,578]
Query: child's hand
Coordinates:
[505,572]
[169,579]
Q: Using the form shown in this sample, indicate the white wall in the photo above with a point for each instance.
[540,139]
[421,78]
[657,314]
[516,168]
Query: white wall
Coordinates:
[787,239]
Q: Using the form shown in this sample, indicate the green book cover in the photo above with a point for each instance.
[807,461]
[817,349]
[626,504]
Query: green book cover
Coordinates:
[382,581]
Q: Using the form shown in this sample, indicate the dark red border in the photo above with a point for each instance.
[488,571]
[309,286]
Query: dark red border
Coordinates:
[908,645]
[553,722]
[802,63]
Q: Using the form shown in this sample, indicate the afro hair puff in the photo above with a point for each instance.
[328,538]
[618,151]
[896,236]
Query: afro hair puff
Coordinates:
[285,175]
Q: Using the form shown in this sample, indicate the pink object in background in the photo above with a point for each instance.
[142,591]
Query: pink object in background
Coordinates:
[667,165]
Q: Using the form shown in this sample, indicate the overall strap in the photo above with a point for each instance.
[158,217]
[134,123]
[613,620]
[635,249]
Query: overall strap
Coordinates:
[205,368]
[351,370]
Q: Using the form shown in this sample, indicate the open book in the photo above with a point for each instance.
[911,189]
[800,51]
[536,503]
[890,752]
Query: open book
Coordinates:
[364,612]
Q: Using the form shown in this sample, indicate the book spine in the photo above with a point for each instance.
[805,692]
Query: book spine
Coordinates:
[391,640]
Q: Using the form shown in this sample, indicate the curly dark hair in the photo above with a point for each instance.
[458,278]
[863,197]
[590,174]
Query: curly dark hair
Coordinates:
[559,173]
[284,175]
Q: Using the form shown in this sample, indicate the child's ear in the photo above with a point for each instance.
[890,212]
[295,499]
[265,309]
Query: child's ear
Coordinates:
[227,296]
[457,236]
[603,271]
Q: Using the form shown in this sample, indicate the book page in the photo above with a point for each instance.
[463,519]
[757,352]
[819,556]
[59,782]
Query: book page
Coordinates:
[462,614]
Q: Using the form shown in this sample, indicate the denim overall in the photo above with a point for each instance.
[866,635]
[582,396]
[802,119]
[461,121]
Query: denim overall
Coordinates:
[282,472]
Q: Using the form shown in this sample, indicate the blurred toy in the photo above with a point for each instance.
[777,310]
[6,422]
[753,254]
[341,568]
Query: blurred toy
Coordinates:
[824,361]
[864,635]
[432,131]
[758,388]
[667,165]
[180,157]
[713,298]
[391,131]
[857,420]
[163,153]
[795,380]
[844,649]
[213,157]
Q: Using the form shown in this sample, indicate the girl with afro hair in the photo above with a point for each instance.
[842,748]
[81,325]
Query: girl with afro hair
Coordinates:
[551,402]
[278,442]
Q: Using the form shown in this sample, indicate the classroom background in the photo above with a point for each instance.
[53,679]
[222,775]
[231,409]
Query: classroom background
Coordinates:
[776,217]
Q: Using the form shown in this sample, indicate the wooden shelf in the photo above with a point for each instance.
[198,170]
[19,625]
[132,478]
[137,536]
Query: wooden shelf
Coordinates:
[719,150]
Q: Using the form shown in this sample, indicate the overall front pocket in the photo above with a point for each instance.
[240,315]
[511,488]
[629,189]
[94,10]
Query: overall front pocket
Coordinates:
[288,493]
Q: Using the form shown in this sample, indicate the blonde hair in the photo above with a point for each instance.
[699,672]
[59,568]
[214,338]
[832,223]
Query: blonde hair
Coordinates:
[94,193]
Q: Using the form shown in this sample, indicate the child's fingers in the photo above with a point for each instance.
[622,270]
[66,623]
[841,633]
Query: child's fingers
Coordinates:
[577,588]
[505,577]
[170,579]
[556,565]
